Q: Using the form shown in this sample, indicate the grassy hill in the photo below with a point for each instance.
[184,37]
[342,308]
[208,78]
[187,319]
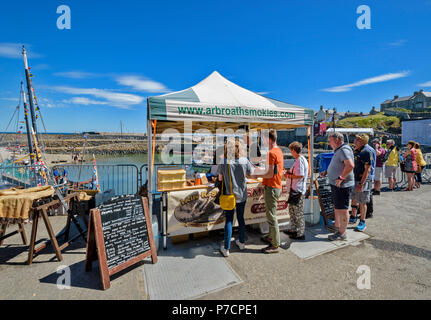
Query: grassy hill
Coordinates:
[378,122]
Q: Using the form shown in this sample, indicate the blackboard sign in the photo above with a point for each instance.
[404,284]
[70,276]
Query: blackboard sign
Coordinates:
[120,235]
[325,198]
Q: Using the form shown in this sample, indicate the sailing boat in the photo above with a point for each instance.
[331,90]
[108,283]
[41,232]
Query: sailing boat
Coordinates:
[36,171]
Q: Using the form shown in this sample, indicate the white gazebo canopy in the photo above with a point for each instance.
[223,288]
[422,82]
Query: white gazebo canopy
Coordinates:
[216,99]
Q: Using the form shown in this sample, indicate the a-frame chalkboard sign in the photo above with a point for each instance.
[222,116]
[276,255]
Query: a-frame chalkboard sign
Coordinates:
[323,189]
[119,235]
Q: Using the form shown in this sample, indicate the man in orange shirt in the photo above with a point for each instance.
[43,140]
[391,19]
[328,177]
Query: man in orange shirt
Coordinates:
[272,186]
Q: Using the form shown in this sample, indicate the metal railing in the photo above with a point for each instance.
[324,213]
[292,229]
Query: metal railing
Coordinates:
[121,178]
[426,172]
[23,176]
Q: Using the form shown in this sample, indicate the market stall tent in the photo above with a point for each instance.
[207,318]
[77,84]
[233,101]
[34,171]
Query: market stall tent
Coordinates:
[216,99]
[216,103]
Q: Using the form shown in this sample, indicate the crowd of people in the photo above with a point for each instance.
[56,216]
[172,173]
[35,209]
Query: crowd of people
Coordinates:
[354,174]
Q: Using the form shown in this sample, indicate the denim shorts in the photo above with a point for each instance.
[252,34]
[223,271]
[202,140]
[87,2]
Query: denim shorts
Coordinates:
[341,197]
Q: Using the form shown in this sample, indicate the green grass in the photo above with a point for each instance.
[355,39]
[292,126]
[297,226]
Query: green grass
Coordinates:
[376,121]
[400,110]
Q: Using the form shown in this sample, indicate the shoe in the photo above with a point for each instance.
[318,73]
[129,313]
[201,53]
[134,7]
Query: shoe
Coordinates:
[270,249]
[240,245]
[361,226]
[296,237]
[224,252]
[369,216]
[332,228]
[266,239]
[289,232]
[376,193]
[353,219]
[337,236]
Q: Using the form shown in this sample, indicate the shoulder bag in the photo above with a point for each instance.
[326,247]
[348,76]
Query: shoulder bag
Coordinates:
[227,201]
[294,196]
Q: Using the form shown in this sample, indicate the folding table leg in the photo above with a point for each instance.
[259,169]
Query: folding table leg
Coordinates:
[67,231]
[33,237]
[2,232]
[22,232]
[52,235]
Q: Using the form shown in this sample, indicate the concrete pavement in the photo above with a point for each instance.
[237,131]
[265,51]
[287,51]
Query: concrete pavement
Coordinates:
[398,255]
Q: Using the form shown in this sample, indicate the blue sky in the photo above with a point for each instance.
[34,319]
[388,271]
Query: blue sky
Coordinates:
[117,53]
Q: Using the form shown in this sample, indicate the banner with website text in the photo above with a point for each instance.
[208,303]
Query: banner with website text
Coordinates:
[172,110]
[193,211]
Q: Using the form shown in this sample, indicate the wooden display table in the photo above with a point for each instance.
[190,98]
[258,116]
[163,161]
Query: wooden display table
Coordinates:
[42,211]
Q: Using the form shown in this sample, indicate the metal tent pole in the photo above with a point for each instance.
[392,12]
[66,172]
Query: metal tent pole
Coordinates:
[312,169]
[150,171]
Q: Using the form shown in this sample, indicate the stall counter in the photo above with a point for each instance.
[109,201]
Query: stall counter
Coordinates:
[193,210]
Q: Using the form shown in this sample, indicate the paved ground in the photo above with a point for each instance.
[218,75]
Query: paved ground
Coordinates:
[398,255]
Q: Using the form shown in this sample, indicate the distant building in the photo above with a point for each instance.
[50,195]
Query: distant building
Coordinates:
[418,101]
[320,115]
[326,115]
[374,111]
[349,114]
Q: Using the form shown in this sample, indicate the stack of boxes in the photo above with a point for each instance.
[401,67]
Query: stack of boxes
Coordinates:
[169,179]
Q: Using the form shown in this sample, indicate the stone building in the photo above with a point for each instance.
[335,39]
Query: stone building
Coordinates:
[418,101]
[324,115]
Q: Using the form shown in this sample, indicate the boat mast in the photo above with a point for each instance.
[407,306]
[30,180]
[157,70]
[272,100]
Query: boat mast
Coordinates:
[29,89]
[27,124]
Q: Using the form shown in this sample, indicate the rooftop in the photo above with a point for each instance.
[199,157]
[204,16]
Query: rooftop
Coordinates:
[399,99]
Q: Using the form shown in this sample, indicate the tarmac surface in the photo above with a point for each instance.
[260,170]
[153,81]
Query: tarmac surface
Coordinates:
[398,255]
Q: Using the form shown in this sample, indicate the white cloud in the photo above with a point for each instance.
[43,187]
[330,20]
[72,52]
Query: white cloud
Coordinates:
[398,43]
[377,79]
[48,103]
[10,99]
[141,84]
[76,74]
[116,99]
[425,84]
[42,66]
[85,101]
[14,51]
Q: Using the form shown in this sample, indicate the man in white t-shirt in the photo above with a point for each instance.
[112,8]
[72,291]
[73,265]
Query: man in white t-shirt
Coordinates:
[297,182]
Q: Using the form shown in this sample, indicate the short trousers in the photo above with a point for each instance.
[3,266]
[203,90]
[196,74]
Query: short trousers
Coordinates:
[341,197]
[364,196]
[390,171]
[378,174]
